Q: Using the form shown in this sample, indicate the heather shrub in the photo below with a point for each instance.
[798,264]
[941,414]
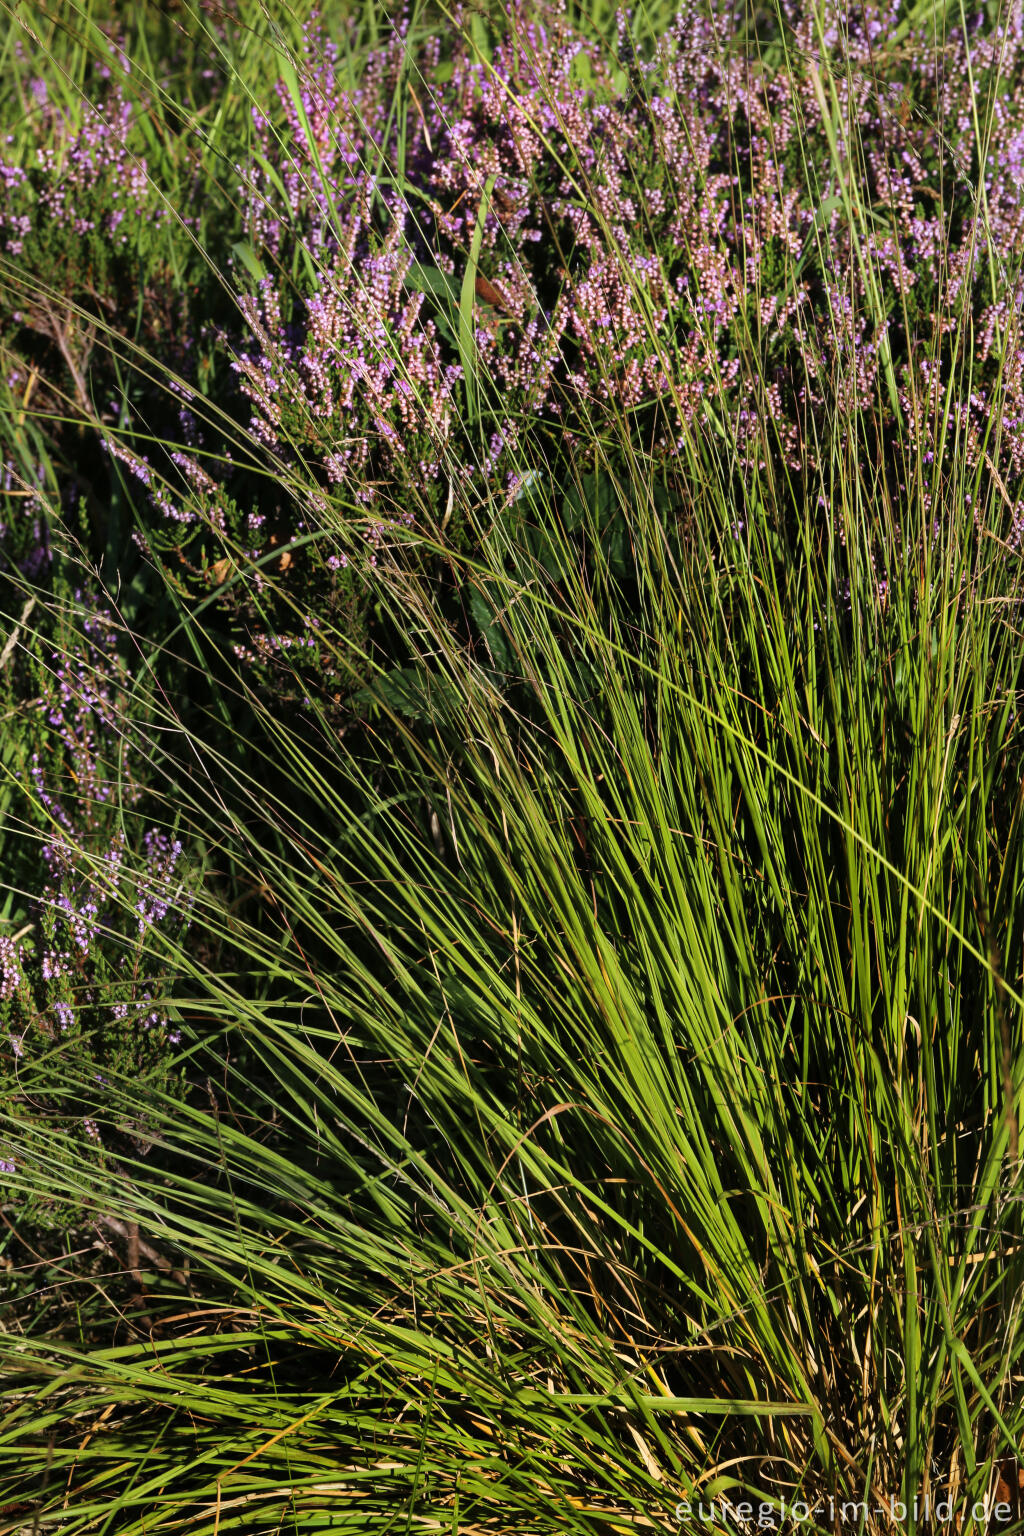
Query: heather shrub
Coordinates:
[74,214]
[676,242]
[755,288]
[89,886]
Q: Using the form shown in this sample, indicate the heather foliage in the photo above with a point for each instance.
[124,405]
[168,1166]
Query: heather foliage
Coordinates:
[511,977]
[690,244]
[697,237]
[77,210]
[89,888]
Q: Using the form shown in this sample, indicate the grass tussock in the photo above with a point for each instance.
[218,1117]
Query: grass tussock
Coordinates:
[512,961]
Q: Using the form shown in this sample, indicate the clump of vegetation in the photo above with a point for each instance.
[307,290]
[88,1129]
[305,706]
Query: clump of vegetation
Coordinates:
[513,977]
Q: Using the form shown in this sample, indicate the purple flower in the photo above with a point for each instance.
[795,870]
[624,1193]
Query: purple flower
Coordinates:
[10,968]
